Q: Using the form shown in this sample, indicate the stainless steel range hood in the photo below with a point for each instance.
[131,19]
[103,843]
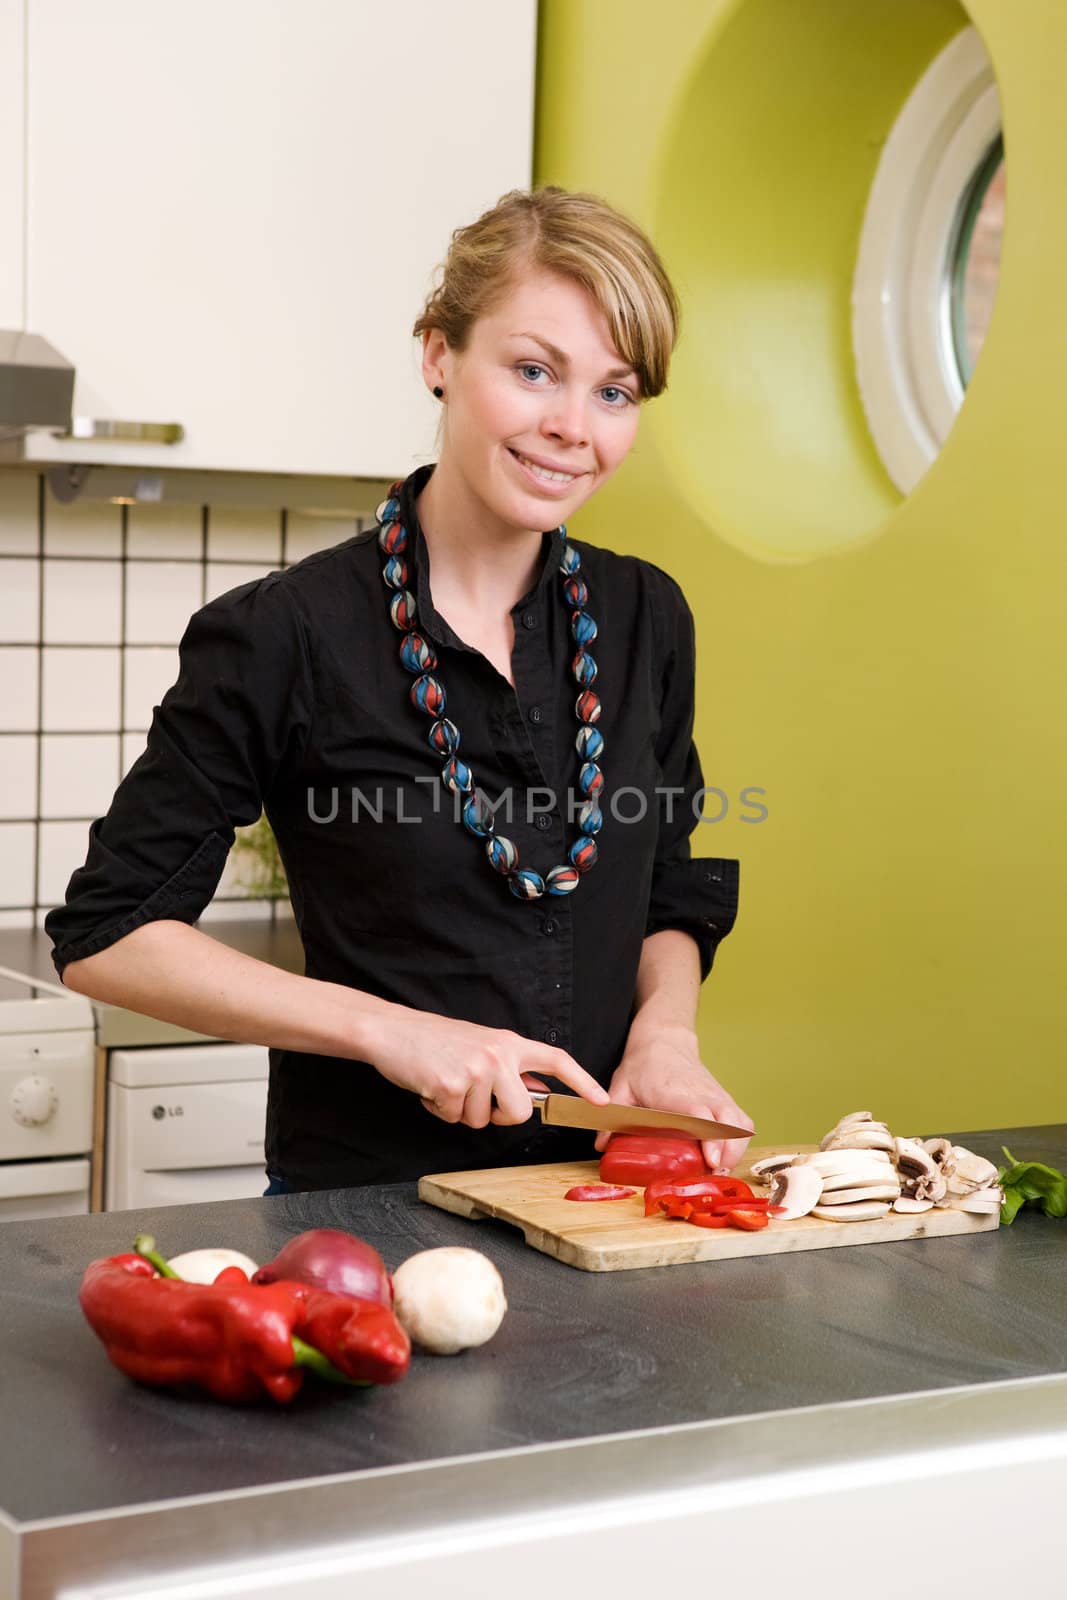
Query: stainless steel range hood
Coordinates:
[36,384]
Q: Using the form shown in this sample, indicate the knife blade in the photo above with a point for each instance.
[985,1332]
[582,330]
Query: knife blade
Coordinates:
[571,1111]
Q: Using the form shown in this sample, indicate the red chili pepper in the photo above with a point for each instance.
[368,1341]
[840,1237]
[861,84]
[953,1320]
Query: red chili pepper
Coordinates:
[599,1191]
[236,1340]
[717,1188]
[641,1155]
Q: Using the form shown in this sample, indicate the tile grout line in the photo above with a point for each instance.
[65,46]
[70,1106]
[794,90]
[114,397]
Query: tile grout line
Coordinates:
[39,780]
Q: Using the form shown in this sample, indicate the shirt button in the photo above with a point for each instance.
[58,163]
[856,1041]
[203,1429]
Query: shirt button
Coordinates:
[549,926]
[552,1036]
[529,619]
[544,822]
[536,714]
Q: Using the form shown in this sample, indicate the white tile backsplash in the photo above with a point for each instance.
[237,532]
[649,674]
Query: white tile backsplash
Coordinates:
[82,528]
[149,674]
[235,534]
[161,596]
[62,848]
[16,863]
[82,602]
[165,530]
[79,773]
[19,666]
[81,688]
[305,534]
[16,919]
[133,745]
[19,601]
[18,776]
[18,513]
[223,576]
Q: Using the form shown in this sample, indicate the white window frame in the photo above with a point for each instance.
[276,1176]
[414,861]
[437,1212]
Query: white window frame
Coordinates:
[906,365]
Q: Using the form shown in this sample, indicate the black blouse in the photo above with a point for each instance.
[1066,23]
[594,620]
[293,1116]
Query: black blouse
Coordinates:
[292,698]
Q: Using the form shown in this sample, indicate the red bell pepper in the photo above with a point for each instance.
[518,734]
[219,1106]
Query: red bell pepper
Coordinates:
[599,1191]
[750,1221]
[238,1341]
[706,1219]
[710,1187]
[641,1155]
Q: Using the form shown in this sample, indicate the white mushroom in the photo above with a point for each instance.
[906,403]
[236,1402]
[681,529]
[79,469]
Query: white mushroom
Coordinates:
[870,1191]
[972,1172]
[844,1160]
[865,1136]
[864,1211]
[985,1201]
[797,1189]
[910,1206]
[449,1299]
[771,1164]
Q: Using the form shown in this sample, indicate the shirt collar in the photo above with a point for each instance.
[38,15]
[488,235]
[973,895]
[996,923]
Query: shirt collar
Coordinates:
[428,618]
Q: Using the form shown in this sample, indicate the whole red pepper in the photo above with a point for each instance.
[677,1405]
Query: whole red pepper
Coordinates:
[238,1341]
[641,1155]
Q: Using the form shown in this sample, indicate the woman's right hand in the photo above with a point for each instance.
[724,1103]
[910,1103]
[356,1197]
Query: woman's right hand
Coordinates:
[458,1069]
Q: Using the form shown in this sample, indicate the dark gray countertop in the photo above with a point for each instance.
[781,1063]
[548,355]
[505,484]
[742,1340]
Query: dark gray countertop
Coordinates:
[579,1355]
[29,951]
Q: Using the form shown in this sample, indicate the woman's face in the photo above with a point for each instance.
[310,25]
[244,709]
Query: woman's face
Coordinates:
[540,386]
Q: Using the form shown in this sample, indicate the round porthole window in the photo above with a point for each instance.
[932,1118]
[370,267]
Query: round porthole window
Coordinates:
[929,258]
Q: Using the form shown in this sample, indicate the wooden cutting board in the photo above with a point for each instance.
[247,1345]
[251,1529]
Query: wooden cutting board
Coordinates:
[611,1235]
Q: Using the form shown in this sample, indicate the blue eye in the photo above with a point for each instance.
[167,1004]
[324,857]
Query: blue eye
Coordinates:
[611,389]
[530,366]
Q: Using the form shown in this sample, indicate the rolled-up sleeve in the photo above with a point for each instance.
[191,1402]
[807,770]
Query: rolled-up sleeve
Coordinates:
[699,896]
[238,714]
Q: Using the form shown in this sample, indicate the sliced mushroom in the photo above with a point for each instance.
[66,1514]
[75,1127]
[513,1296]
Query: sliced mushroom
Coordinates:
[909,1205]
[864,1211]
[842,1160]
[868,1191]
[913,1160]
[854,1176]
[972,1172]
[771,1164]
[869,1136]
[797,1189]
[941,1152]
[985,1201]
[930,1186]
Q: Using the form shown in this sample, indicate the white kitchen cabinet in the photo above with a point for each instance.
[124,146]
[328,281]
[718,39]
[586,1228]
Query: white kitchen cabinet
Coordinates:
[233,209]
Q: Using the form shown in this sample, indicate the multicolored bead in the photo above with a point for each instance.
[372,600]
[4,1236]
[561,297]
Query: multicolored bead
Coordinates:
[395,572]
[416,654]
[589,742]
[443,737]
[456,775]
[590,779]
[389,511]
[526,885]
[428,693]
[584,668]
[402,608]
[583,627]
[575,592]
[562,880]
[478,816]
[570,560]
[583,853]
[587,706]
[502,854]
[393,537]
[590,817]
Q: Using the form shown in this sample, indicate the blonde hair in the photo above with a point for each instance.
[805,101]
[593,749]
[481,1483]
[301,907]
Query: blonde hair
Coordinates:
[580,237]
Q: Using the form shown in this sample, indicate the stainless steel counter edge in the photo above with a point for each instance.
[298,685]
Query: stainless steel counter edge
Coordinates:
[714,1464]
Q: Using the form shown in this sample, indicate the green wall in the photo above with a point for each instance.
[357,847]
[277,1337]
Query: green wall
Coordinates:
[889,671]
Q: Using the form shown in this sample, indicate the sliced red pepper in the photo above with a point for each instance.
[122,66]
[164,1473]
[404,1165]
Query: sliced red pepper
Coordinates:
[720,1207]
[599,1191]
[717,1188]
[705,1219]
[750,1221]
[674,1206]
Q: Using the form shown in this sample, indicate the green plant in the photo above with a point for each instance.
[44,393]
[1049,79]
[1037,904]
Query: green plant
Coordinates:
[258,863]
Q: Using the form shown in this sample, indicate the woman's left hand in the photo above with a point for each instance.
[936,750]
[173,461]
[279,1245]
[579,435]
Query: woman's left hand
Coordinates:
[661,1067]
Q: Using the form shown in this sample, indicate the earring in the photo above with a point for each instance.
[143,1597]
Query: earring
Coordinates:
[438,392]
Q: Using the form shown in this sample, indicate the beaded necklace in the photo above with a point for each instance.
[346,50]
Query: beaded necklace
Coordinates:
[428,694]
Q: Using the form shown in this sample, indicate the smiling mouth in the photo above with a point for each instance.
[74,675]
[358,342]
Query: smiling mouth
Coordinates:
[543,472]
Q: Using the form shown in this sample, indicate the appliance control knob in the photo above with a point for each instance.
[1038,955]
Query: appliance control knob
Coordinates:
[34,1101]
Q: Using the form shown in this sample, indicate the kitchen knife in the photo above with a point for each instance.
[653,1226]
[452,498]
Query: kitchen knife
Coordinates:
[571,1111]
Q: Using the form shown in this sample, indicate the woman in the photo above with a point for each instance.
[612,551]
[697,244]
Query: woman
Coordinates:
[463,941]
